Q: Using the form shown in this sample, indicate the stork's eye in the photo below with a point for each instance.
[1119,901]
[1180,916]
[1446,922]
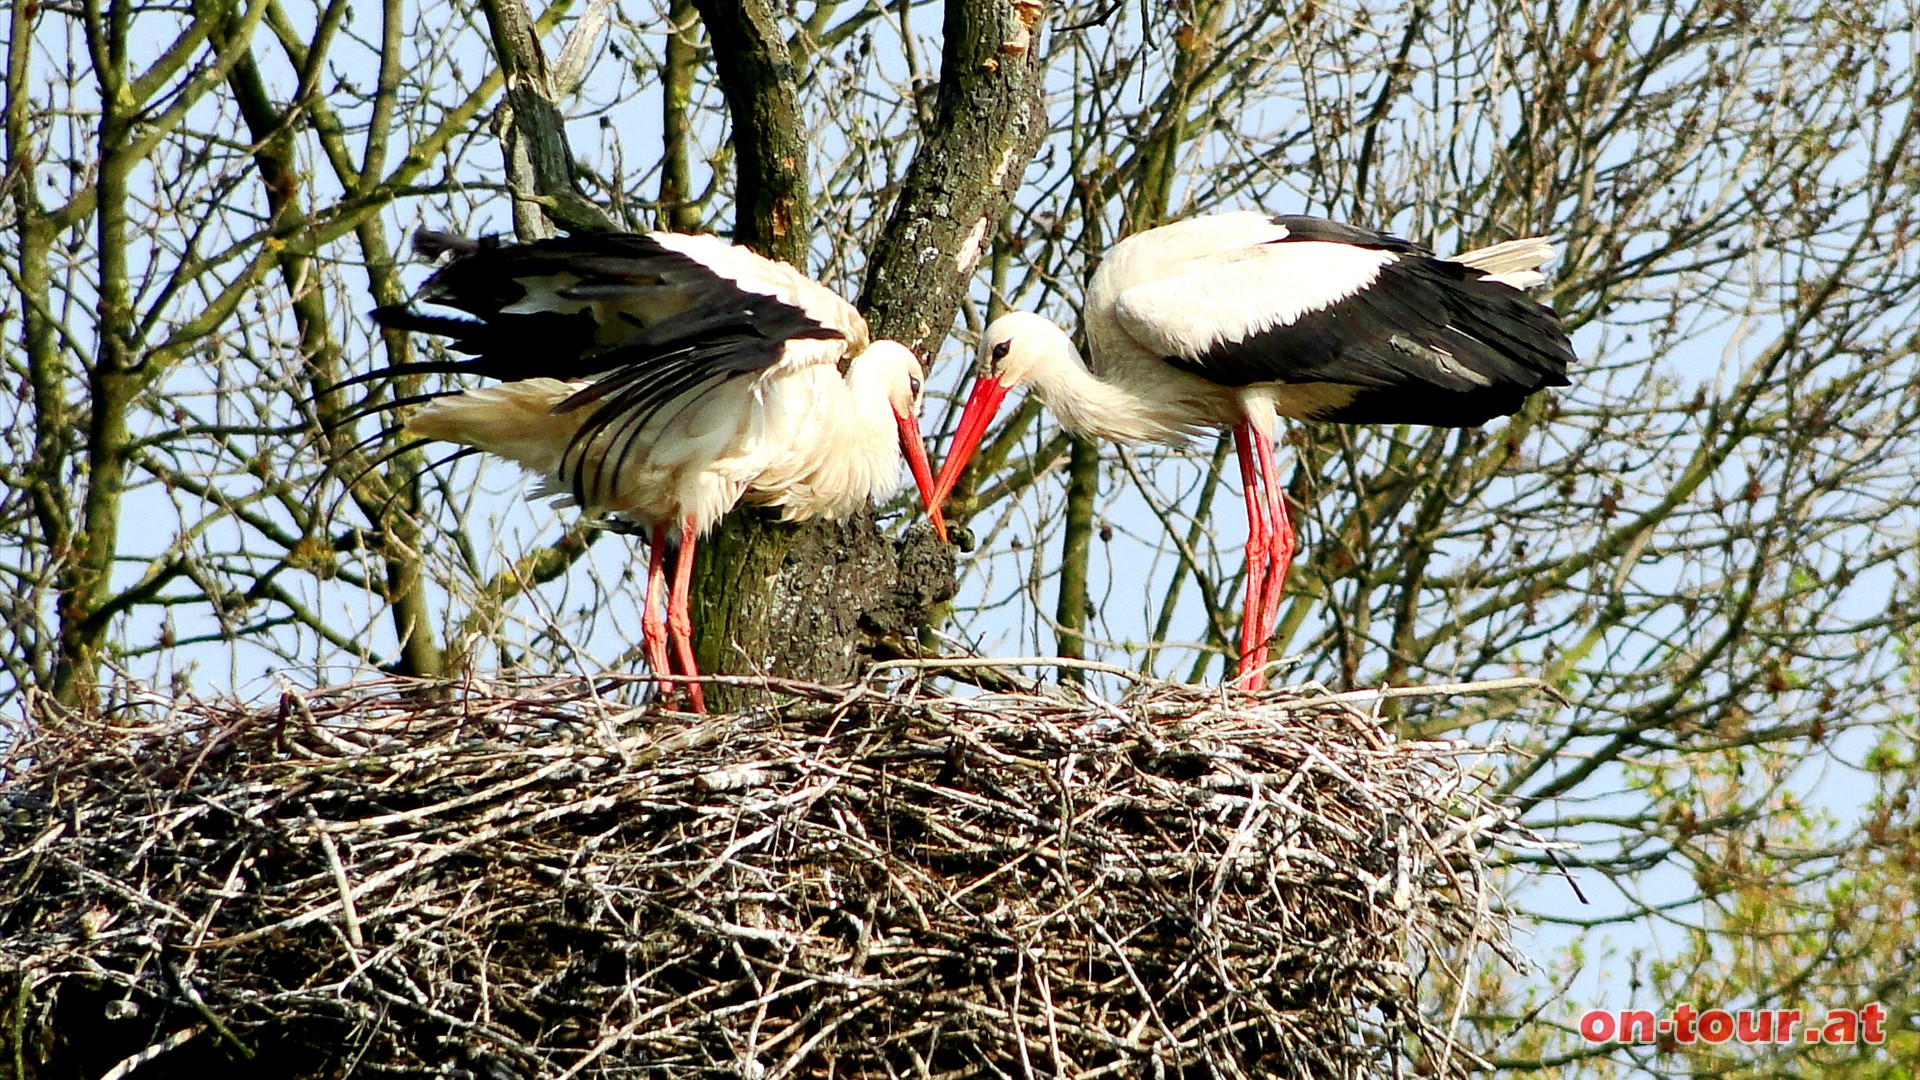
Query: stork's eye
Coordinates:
[913,386]
[1002,348]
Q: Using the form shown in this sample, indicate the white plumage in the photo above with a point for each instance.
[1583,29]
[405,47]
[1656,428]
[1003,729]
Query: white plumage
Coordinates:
[739,442]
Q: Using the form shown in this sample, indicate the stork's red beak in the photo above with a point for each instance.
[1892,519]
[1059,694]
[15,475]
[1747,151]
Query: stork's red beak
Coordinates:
[982,405]
[912,445]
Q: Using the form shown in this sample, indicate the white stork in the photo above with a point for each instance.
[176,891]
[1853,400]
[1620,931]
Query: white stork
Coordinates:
[1232,320]
[661,378]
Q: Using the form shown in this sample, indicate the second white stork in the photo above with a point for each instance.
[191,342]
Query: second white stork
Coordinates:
[1232,320]
[661,378]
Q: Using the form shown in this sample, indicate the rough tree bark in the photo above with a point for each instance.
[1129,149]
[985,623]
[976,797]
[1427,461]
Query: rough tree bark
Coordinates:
[808,601]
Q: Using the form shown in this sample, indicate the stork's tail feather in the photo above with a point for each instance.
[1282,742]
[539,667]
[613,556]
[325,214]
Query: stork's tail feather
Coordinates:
[391,371]
[429,244]
[1512,262]
[368,467]
[383,406]
[404,317]
[512,420]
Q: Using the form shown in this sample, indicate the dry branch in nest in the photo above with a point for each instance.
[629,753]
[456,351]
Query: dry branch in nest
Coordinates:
[540,879]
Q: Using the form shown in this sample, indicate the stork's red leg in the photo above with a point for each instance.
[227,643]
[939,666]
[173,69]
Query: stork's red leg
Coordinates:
[679,622]
[653,621]
[1245,440]
[1280,548]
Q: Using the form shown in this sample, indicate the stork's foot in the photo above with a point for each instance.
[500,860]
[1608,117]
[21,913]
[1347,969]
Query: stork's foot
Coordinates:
[1252,675]
[695,695]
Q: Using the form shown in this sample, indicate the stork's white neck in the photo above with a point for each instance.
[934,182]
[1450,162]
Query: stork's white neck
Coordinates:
[1043,356]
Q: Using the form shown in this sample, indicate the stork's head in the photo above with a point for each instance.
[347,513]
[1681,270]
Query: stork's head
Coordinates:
[1017,348]
[902,374]
[899,373]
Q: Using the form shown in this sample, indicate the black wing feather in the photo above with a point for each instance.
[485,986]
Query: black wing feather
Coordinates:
[1303,228]
[1429,341]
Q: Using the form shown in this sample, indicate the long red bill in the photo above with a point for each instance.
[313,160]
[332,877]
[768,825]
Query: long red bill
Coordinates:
[982,405]
[915,448]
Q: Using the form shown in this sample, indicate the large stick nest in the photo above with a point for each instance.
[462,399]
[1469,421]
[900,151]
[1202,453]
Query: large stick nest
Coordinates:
[543,880]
